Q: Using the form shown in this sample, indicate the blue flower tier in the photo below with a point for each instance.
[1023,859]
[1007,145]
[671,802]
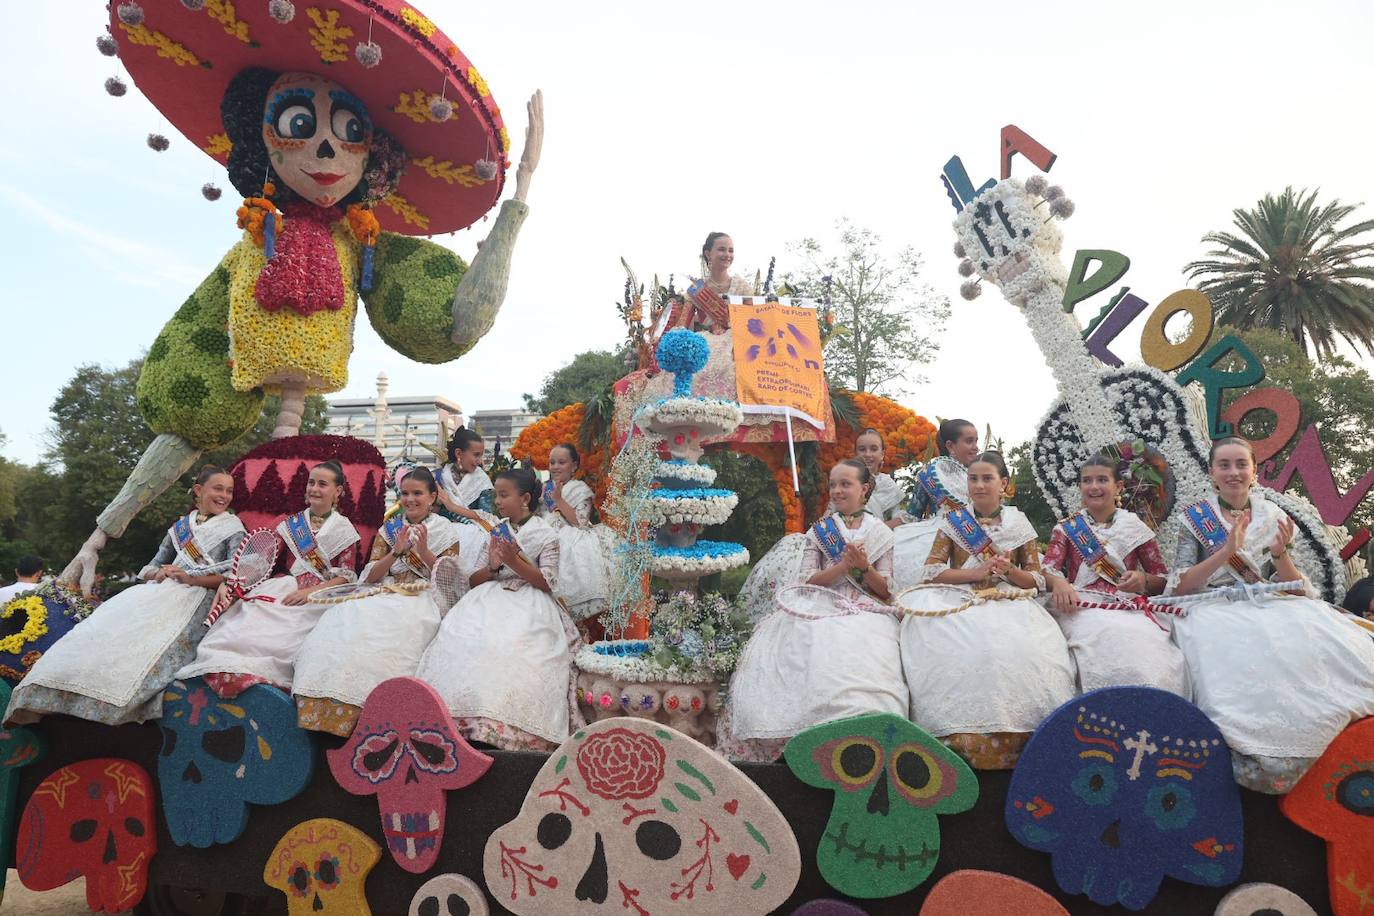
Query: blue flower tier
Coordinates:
[691,506]
[704,558]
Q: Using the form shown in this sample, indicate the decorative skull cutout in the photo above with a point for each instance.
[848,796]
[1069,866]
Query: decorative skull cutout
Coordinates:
[628,815]
[1335,800]
[220,755]
[969,892]
[1263,900]
[19,747]
[318,135]
[1011,241]
[1123,786]
[890,780]
[91,819]
[449,895]
[406,751]
[321,866]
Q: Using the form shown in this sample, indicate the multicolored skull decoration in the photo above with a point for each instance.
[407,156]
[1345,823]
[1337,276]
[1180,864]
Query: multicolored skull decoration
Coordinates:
[629,815]
[891,779]
[220,755]
[91,819]
[449,895]
[1123,786]
[406,751]
[321,866]
[1335,800]
[19,747]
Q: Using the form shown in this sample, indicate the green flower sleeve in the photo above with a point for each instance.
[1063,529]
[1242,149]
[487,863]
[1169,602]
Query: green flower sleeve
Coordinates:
[411,301]
[184,388]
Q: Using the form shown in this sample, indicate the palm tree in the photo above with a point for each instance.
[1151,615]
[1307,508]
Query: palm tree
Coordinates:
[1293,268]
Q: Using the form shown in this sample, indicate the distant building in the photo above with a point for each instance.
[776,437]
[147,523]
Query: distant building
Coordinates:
[506,424]
[412,426]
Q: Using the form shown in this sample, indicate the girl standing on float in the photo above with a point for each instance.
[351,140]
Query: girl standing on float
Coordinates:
[113,666]
[983,678]
[1101,553]
[885,502]
[837,657]
[361,642]
[503,658]
[1281,676]
[940,486]
[583,548]
[465,494]
[256,639]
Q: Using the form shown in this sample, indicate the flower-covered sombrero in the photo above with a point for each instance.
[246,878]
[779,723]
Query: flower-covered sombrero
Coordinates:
[417,86]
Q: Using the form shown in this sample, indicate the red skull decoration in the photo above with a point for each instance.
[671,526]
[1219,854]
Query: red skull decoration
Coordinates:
[406,751]
[93,818]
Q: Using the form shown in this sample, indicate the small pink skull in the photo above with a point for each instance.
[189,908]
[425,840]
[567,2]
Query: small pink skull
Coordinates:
[406,751]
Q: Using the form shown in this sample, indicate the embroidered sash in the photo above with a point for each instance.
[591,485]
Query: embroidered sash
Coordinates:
[186,540]
[972,537]
[548,495]
[709,304]
[929,481]
[1078,529]
[1212,534]
[304,544]
[390,531]
[830,537]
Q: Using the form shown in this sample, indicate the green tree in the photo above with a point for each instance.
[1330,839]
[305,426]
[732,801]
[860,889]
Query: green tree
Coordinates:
[1333,392]
[580,381]
[887,319]
[1297,267]
[757,521]
[1029,498]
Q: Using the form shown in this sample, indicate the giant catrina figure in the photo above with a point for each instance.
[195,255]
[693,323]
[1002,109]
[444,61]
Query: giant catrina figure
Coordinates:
[350,127]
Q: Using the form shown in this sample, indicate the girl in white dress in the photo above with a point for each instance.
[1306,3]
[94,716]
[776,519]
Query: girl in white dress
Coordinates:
[800,671]
[503,658]
[113,666]
[885,502]
[940,486]
[256,639]
[465,494]
[359,643]
[585,551]
[1101,554]
[1280,675]
[983,679]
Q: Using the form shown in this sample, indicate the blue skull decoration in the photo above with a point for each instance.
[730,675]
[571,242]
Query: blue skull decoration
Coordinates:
[220,755]
[1123,786]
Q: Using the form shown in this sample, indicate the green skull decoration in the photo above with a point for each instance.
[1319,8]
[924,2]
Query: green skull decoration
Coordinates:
[891,779]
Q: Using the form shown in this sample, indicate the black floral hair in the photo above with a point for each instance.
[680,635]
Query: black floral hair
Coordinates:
[950,431]
[334,468]
[249,165]
[993,458]
[526,483]
[462,438]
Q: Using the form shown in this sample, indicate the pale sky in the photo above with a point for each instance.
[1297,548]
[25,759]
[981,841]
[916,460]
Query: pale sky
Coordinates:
[669,120]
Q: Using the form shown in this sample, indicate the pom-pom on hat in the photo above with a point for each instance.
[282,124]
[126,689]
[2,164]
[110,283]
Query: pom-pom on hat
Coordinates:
[183,59]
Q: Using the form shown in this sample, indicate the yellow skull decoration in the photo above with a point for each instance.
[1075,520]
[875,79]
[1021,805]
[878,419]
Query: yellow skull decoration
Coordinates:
[321,865]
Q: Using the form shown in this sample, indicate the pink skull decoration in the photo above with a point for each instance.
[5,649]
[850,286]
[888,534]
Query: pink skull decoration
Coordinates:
[406,751]
[93,818]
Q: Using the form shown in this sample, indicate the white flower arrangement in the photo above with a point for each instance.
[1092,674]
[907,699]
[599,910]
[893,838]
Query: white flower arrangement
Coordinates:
[636,669]
[676,565]
[697,475]
[712,417]
[703,510]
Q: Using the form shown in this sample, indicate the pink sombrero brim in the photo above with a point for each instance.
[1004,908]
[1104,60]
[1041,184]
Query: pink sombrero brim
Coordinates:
[183,60]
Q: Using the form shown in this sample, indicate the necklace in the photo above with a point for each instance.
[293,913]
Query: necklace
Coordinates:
[850,519]
[1233,510]
[719,286]
[997,513]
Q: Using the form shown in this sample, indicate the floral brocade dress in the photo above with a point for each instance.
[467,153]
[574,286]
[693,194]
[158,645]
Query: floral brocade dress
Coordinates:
[1280,675]
[113,666]
[584,551]
[502,659]
[359,643]
[256,639]
[984,678]
[802,669]
[1115,648]
[940,486]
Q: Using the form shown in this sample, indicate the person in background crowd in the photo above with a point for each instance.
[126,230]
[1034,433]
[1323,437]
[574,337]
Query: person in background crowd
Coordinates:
[27,572]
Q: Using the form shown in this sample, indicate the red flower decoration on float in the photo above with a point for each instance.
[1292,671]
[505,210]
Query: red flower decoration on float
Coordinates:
[620,764]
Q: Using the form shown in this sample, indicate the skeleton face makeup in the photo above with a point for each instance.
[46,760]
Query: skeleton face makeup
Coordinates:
[318,135]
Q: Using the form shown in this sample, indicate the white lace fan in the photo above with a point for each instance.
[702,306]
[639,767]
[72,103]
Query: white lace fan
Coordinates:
[449,581]
[253,562]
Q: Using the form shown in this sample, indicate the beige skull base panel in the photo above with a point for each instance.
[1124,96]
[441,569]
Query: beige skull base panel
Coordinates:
[318,135]
[628,815]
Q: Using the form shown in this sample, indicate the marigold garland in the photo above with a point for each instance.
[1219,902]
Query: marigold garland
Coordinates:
[254,212]
[35,626]
[565,425]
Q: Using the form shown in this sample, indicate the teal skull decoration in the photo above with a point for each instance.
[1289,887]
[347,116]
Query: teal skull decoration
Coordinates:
[891,780]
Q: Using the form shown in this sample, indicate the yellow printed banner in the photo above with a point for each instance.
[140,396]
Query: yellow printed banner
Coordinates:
[778,362]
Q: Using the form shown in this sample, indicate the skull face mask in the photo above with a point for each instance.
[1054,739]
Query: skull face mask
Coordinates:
[317,134]
[321,866]
[92,819]
[1123,786]
[1335,800]
[630,815]
[890,780]
[406,751]
[220,755]
[449,895]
